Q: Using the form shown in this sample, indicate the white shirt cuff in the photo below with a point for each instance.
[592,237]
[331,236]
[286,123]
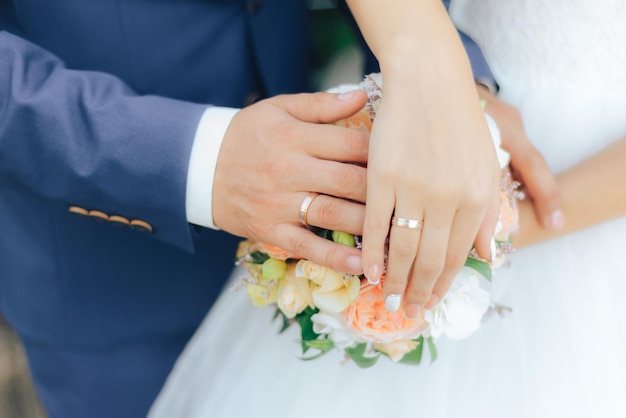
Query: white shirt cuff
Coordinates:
[202,163]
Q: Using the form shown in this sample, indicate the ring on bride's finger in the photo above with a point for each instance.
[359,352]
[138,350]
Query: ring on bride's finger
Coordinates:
[407,223]
[304,207]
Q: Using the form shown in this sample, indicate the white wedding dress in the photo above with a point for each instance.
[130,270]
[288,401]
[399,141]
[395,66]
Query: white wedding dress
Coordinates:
[561,352]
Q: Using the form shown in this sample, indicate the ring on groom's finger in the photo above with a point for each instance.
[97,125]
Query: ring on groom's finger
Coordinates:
[304,207]
[407,223]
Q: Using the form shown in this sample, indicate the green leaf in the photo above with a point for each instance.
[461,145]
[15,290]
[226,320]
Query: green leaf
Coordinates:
[256,257]
[286,322]
[432,348]
[344,238]
[414,356]
[313,357]
[322,344]
[326,234]
[481,267]
[306,326]
[357,354]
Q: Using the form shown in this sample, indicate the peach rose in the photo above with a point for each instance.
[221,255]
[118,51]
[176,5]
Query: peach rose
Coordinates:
[396,349]
[360,120]
[332,291]
[276,252]
[369,318]
[509,218]
[294,293]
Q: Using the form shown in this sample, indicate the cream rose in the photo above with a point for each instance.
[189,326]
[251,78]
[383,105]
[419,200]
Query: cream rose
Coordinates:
[332,291]
[294,293]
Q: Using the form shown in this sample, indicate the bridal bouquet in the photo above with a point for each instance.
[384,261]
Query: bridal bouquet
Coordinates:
[337,311]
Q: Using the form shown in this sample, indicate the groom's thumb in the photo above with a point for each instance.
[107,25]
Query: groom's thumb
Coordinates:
[322,107]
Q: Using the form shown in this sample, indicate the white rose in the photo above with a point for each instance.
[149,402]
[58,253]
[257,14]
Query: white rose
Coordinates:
[460,312]
[503,157]
[335,326]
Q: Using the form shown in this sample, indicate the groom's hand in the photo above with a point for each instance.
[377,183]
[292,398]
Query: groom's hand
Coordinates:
[528,164]
[274,154]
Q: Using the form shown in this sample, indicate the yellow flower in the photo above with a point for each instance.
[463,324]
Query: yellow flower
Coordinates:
[332,291]
[262,295]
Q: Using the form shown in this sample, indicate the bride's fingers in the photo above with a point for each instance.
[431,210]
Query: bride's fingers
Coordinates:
[299,240]
[431,257]
[484,237]
[376,228]
[404,241]
[459,245]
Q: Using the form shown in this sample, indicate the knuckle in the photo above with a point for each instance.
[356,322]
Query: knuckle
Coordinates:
[404,249]
[394,284]
[376,226]
[355,141]
[455,261]
[429,269]
[417,295]
[348,180]
[329,214]
[300,246]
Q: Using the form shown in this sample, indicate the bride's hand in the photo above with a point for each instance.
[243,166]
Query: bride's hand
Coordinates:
[432,159]
[274,154]
[528,164]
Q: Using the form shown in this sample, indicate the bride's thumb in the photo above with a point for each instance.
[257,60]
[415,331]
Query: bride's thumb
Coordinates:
[484,243]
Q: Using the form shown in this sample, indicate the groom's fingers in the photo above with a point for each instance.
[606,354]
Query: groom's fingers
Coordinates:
[321,107]
[336,214]
[540,185]
[273,155]
[337,143]
[306,244]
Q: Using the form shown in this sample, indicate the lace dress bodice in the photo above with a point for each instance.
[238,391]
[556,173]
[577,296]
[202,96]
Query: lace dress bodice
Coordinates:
[555,46]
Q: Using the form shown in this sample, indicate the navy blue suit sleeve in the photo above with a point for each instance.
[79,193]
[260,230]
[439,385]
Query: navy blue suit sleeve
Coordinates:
[480,68]
[86,139]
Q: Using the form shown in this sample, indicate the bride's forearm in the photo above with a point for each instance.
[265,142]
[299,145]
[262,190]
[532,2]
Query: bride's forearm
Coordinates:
[412,39]
[592,192]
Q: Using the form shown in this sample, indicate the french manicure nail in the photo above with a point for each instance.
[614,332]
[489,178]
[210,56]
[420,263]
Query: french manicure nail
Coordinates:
[412,311]
[354,264]
[347,95]
[373,274]
[392,302]
[555,220]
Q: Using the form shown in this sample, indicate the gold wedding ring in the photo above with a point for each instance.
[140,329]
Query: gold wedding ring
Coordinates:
[407,223]
[304,207]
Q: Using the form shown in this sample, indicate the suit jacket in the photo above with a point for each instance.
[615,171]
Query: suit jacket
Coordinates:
[99,103]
